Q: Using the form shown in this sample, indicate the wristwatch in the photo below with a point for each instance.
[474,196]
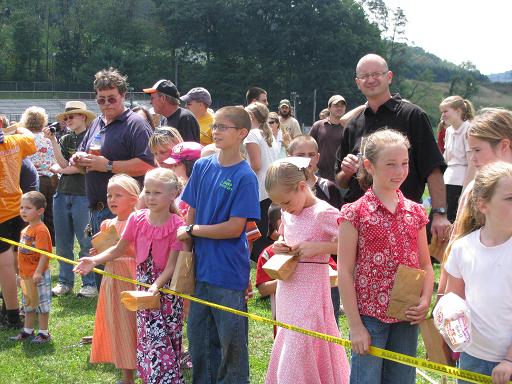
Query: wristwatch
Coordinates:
[189,229]
[110,165]
[439,211]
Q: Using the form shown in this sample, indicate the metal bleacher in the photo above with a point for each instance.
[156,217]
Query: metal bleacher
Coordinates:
[14,108]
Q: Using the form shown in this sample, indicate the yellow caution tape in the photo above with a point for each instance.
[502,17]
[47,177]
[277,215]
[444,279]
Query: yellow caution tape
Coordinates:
[441,369]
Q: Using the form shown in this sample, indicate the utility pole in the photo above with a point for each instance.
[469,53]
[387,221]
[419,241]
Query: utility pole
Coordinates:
[314,106]
[294,95]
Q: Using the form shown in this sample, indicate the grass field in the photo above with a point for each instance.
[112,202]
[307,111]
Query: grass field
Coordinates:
[65,360]
[428,96]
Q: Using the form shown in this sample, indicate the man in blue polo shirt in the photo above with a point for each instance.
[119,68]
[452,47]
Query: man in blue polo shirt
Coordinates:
[124,146]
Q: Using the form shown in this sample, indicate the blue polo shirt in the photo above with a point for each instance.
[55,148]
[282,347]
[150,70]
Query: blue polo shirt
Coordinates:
[218,193]
[125,138]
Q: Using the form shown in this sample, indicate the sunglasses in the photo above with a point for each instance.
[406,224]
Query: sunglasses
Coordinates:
[68,117]
[272,122]
[106,100]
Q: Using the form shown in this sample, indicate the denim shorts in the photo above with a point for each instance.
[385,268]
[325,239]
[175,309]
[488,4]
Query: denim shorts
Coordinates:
[44,290]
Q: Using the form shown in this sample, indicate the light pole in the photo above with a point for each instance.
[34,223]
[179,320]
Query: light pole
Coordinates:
[294,96]
[53,72]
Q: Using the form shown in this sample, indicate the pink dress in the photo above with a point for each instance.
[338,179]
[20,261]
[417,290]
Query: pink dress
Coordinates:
[304,300]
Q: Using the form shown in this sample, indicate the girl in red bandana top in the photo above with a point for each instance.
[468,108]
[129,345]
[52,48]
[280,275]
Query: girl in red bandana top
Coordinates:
[377,233]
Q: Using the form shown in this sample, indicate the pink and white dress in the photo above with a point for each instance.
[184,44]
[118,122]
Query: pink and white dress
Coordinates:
[304,300]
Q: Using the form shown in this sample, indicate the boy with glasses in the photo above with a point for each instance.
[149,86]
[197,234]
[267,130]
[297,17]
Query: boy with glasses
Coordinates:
[223,194]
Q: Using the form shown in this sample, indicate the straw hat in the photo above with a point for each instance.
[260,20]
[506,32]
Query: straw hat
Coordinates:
[77,107]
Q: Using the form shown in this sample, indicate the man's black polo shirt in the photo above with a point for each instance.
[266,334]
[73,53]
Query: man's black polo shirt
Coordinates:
[186,124]
[412,121]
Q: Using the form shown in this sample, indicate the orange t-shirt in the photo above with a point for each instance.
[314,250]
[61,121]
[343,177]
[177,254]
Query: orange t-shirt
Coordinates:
[36,236]
[12,151]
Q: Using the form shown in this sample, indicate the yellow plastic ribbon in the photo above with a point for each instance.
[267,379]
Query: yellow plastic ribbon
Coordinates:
[441,369]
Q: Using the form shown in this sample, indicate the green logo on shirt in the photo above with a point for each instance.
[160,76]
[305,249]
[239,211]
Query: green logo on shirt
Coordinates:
[227,184]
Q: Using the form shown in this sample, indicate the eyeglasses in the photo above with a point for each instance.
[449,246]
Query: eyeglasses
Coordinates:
[221,127]
[68,117]
[373,75]
[106,100]
[272,122]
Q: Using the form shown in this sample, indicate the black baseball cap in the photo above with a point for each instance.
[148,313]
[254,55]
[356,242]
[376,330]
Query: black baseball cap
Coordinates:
[166,87]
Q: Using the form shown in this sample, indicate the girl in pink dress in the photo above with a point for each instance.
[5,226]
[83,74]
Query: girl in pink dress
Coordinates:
[153,233]
[309,230]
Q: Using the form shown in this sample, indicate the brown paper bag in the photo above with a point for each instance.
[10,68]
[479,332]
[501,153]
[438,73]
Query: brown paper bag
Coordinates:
[281,266]
[406,291]
[103,240]
[136,300]
[30,293]
[183,279]
[333,277]
[437,248]
[437,349]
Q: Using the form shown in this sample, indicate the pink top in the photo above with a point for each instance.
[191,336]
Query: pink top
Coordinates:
[386,240]
[314,223]
[160,240]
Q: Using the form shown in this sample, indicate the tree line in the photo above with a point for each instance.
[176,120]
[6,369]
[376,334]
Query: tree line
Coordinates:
[288,47]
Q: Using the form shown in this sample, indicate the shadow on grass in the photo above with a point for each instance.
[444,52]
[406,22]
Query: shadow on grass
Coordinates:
[72,306]
[5,343]
[36,350]
[100,367]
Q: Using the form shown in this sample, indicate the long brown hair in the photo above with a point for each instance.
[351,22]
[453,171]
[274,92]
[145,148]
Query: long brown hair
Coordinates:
[492,125]
[486,181]
[457,102]
[260,113]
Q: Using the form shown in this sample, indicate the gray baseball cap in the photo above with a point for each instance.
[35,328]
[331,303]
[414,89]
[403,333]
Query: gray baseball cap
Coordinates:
[199,94]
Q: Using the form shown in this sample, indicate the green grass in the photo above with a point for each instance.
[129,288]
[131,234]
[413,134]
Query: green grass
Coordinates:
[66,361]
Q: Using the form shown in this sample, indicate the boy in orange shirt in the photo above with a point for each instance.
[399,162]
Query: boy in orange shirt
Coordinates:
[34,273]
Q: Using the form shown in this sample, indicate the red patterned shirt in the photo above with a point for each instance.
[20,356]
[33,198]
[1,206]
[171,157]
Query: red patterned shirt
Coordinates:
[385,241]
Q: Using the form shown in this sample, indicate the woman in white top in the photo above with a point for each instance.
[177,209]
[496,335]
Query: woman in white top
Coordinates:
[282,137]
[457,113]
[262,150]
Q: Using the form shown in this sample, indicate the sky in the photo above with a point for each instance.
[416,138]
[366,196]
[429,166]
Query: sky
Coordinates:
[461,30]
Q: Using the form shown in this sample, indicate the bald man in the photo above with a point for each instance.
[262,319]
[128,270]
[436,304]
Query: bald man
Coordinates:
[426,163]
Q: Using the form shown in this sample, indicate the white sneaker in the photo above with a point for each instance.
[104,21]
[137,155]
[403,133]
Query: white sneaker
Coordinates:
[61,289]
[88,291]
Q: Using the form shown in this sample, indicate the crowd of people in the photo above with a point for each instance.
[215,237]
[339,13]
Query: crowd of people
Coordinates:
[244,183]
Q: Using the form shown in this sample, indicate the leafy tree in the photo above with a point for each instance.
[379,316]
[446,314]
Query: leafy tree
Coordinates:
[464,83]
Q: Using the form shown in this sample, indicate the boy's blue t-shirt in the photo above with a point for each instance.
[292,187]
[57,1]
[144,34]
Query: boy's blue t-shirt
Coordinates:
[218,193]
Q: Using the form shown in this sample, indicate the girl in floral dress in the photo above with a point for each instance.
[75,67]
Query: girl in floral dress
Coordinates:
[153,232]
